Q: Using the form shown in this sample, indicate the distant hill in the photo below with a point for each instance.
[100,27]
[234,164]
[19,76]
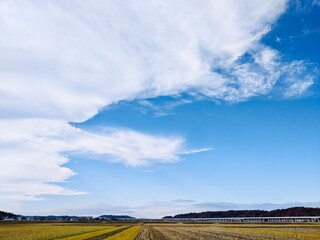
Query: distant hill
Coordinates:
[6,215]
[295,211]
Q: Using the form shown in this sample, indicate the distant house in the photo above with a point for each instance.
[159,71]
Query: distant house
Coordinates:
[85,218]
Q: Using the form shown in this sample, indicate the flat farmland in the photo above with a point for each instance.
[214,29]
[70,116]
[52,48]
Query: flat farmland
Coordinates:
[39,231]
[139,231]
[229,231]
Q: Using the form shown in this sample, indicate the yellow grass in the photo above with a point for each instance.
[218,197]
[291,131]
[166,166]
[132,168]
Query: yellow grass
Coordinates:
[92,234]
[44,231]
[129,234]
[52,231]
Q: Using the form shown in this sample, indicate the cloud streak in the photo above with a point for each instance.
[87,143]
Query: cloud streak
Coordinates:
[33,153]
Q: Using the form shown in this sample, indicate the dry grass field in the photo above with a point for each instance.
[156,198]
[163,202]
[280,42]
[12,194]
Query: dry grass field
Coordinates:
[178,231]
[229,231]
[39,231]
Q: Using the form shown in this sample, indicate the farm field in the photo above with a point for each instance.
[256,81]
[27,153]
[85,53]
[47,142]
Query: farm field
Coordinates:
[178,231]
[230,231]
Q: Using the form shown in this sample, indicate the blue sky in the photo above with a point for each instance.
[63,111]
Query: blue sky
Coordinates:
[106,113]
[269,141]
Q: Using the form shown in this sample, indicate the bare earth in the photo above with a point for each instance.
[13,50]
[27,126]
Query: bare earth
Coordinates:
[228,232]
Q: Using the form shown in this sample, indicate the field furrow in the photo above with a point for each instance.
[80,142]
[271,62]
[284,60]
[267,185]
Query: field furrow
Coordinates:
[45,231]
[129,234]
[185,232]
[149,232]
[96,235]
[160,231]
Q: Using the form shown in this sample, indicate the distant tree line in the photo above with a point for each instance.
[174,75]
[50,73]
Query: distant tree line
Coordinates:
[4,215]
[10,216]
[114,217]
[289,212]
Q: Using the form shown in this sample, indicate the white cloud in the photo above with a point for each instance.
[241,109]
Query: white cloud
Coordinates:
[298,80]
[298,88]
[129,147]
[62,61]
[33,152]
[79,56]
